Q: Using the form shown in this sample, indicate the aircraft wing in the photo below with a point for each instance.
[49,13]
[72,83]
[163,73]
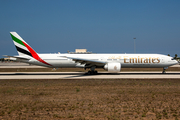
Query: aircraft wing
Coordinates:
[88,62]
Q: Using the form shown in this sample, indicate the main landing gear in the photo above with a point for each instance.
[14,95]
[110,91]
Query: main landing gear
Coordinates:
[164,70]
[92,71]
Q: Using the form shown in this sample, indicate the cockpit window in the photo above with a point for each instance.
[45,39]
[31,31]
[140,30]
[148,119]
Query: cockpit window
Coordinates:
[172,59]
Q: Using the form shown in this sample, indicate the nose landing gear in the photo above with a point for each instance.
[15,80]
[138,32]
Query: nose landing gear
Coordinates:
[164,70]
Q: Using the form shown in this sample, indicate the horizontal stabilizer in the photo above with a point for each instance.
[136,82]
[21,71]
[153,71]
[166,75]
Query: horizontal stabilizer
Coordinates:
[18,57]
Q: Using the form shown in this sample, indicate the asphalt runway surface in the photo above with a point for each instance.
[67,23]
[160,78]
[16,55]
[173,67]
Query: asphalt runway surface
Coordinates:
[82,75]
[25,65]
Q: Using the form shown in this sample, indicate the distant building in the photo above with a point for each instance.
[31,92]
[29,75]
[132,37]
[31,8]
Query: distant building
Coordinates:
[7,59]
[80,51]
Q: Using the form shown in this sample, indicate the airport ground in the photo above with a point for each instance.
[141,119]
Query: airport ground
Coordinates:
[90,99]
[93,98]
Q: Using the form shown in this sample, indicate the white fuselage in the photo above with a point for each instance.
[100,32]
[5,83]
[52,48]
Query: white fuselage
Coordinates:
[126,60]
[110,62]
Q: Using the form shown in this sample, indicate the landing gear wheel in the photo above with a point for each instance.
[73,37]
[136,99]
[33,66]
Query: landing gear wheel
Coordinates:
[164,70]
[92,72]
[89,72]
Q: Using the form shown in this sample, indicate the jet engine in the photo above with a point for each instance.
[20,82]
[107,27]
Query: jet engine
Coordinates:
[113,67]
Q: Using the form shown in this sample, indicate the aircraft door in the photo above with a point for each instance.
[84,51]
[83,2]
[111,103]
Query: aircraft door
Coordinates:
[102,59]
[162,60]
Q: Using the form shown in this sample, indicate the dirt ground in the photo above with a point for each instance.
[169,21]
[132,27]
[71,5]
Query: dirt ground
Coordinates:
[97,99]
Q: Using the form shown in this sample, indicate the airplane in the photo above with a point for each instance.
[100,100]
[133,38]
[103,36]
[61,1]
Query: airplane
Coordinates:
[109,62]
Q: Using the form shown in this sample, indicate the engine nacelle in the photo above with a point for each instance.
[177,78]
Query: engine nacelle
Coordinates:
[113,67]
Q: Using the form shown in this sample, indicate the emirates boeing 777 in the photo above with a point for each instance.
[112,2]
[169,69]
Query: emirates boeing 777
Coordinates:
[109,62]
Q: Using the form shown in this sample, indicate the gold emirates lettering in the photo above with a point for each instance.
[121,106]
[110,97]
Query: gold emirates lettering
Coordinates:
[141,60]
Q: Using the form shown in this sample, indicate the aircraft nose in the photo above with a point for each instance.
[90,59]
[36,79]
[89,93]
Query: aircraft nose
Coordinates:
[176,61]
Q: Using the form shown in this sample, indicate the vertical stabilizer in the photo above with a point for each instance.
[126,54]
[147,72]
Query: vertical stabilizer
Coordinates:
[24,49]
[21,45]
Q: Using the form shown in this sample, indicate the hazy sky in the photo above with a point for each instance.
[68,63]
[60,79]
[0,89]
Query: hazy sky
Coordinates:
[101,26]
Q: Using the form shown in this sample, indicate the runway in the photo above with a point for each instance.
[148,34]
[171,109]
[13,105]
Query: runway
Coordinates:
[82,75]
[25,65]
